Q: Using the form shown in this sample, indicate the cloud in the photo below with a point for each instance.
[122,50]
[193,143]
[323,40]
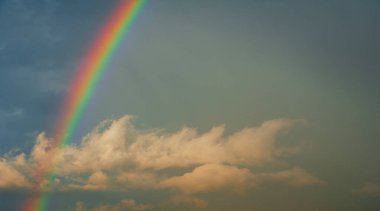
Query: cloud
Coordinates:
[10,177]
[126,204]
[17,112]
[98,178]
[116,156]
[210,178]
[185,200]
[80,206]
[121,144]
[100,150]
[97,181]
[295,177]
[217,177]
[370,189]
[41,151]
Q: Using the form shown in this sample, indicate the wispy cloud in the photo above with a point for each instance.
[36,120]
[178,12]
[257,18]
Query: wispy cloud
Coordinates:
[17,112]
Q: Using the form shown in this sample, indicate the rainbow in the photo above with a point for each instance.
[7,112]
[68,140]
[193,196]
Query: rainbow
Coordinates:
[82,88]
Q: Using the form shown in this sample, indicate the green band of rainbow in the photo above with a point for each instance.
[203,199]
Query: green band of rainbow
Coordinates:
[82,88]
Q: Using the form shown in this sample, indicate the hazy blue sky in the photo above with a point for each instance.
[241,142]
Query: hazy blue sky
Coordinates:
[302,77]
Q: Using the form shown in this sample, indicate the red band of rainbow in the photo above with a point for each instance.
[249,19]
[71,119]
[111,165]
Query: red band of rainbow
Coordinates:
[82,88]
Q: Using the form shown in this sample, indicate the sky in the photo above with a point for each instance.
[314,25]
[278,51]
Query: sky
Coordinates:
[206,105]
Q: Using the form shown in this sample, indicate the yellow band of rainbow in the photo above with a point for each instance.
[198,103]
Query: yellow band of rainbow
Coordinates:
[82,88]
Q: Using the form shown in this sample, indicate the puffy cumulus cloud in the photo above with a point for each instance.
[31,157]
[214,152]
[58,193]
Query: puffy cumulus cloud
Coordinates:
[117,157]
[126,204]
[250,146]
[98,178]
[369,189]
[212,177]
[20,160]
[42,155]
[10,177]
[103,149]
[122,145]
[41,149]
[257,146]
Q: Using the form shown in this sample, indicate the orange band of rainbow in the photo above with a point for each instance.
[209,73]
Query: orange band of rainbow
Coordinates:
[82,88]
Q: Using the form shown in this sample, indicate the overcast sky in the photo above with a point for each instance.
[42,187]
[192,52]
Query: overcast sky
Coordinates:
[206,105]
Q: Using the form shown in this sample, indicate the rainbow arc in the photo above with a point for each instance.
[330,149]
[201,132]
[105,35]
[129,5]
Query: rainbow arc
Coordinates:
[82,88]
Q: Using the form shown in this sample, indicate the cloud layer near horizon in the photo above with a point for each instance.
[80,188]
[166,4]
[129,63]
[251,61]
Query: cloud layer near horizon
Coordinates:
[117,156]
